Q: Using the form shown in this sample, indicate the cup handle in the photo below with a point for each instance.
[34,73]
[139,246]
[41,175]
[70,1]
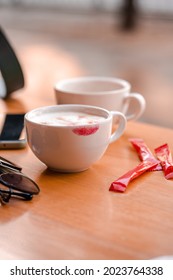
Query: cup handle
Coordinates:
[120,120]
[139,106]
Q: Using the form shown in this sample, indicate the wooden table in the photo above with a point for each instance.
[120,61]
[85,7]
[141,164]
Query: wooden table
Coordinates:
[75,216]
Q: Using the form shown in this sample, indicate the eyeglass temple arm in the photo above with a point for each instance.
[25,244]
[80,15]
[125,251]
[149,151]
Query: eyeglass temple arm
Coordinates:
[26,196]
[6,163]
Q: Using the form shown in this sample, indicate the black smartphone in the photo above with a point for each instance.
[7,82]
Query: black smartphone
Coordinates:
[12,133]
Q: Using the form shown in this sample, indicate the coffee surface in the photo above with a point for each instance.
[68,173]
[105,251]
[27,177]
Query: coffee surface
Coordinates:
[68,118]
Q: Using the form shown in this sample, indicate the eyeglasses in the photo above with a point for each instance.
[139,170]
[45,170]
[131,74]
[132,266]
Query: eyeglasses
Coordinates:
[18,184]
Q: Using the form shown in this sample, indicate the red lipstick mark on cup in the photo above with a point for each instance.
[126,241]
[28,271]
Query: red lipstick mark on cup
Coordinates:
[85,131]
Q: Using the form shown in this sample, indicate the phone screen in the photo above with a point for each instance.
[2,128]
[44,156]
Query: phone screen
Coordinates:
[12,133]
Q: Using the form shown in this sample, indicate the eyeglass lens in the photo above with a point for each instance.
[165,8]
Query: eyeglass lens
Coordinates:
[19,182]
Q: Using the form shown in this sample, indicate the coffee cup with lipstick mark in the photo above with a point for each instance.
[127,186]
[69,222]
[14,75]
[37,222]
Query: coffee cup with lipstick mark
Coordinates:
[71,138]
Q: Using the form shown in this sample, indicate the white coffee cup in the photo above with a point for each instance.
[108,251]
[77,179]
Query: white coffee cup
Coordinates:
[70,138]
[106,92]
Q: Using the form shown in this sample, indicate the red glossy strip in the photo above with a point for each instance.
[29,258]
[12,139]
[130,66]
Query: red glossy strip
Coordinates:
[164,155]
[122,182]
[144,152]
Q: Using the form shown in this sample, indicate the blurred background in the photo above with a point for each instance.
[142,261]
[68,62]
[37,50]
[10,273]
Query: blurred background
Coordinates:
[132,40]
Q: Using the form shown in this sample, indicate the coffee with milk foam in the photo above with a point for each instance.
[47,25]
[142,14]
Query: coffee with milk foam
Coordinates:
[67,118]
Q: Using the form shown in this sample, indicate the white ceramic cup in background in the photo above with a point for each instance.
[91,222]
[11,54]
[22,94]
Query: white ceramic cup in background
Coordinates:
[70,138]
[106,92]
